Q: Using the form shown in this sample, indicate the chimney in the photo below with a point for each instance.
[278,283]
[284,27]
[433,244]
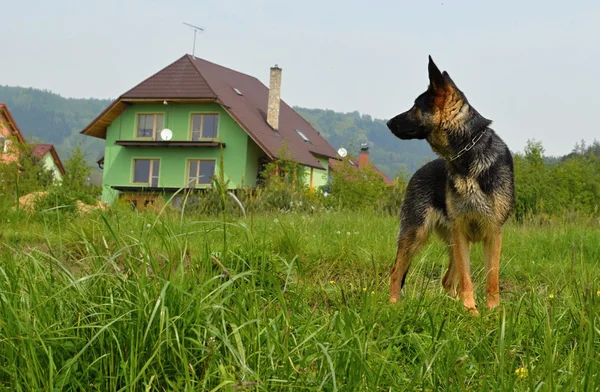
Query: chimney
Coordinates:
[274,97]
[363,155]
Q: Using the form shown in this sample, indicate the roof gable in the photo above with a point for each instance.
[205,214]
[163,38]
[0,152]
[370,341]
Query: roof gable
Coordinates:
[40,151]
[181,79]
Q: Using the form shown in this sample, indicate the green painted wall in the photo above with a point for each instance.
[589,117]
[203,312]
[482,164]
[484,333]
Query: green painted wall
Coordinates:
[49,164]
[118,160]
[109,195]
[320,177]
[254,154]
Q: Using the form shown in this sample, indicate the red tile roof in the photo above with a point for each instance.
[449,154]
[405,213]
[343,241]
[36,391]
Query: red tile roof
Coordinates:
[179,80]
[40,150]
[195,78]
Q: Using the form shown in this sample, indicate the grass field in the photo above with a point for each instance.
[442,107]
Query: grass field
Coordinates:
[125,301]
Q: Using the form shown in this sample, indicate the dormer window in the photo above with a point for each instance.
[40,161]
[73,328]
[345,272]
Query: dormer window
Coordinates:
[303,136]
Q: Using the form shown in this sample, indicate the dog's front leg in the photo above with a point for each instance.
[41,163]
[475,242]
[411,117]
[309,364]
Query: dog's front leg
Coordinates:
[461,247]
[491,254]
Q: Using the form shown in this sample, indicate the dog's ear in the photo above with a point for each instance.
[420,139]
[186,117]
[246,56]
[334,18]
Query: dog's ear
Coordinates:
[448,80]
[436,79]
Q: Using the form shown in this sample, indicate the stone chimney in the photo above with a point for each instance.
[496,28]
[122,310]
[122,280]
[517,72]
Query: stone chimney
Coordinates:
[363,155]
[274,98]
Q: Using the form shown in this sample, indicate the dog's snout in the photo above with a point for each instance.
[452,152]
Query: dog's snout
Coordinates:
[389,124]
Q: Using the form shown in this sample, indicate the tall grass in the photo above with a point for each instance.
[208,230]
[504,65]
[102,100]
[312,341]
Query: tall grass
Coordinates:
[120,301]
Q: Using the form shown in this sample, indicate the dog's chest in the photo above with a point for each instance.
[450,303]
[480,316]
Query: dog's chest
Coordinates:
[464,196]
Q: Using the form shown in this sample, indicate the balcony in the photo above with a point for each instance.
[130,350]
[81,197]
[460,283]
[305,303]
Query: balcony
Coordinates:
[162,143]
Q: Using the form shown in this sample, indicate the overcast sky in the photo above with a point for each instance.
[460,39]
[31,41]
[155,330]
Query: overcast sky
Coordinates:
[530,66]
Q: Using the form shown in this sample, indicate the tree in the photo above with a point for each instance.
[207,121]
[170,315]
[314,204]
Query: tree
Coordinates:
[77,177]
[24,175]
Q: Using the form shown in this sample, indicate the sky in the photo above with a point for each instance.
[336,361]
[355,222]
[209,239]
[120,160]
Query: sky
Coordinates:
[531,67]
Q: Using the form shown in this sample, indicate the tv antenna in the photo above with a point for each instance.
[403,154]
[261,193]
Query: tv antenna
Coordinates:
[196,29]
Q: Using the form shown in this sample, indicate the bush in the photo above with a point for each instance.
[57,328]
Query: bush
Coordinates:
[567,186]
[25,175]
[354,188]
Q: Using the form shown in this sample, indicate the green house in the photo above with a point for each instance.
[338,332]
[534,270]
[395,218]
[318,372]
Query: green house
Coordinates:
[167,132]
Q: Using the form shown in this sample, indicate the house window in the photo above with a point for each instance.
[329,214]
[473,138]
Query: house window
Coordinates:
[200,172]
[149,125]
[204,126]
[3,145]
[303,136]
[145,171]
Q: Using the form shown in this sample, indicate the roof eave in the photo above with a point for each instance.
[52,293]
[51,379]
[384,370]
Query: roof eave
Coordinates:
[95,128]
[57,161]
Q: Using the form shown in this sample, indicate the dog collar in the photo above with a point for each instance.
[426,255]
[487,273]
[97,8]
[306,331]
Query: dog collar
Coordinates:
[469,146]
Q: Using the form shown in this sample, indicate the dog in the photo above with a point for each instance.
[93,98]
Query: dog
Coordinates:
[465,196]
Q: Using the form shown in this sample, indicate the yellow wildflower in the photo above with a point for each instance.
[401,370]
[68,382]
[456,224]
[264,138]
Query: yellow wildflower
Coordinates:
[521,372]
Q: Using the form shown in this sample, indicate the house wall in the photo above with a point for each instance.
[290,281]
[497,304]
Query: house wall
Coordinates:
[320,177]
[6,131]
[118,160]
[49,164]
[254,155]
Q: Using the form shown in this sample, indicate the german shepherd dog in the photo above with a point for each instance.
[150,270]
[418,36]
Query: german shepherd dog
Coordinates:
[466,196]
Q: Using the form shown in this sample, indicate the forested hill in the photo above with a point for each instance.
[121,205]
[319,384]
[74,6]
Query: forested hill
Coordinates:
[48,117]
[350,130]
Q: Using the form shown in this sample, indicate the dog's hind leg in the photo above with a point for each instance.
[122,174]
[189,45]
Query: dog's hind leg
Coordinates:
[409,242]
[491,253]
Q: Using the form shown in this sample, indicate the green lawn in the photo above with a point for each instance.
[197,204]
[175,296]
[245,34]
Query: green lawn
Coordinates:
[126,301]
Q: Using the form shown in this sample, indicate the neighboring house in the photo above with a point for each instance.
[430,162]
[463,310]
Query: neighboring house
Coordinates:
[9,131]
[167,132]
[50,160]
[362,162]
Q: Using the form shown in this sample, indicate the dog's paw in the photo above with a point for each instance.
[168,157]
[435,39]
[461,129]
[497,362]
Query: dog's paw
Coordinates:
[393,299]
[493,302]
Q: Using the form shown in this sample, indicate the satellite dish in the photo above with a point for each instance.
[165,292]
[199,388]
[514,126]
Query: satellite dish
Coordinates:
[342,152]
[166,134]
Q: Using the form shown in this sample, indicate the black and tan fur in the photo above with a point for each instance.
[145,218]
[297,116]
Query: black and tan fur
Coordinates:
[464,199]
